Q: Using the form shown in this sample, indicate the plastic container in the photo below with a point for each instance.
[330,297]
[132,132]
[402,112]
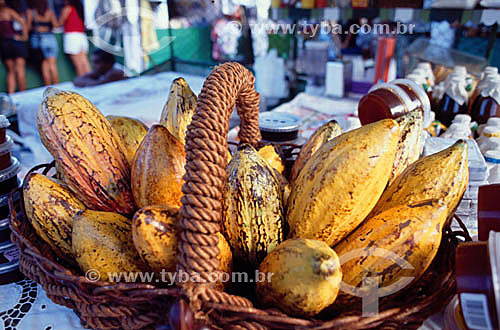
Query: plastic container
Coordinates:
[384,101]
[487,144]
[427,68]
[282,128]
[4,216]
[457,131]
[4,123]
[279,126]
[8,177]
[492,122]
[5,153]
[492,158]
[9,264]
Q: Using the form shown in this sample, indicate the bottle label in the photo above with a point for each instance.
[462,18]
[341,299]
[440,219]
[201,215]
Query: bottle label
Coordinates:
[475,311]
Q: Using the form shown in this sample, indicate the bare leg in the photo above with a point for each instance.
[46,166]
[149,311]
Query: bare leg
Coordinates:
[11,76]
[21,73]
[85,62]
[45,72]
[54,74]
[76,64]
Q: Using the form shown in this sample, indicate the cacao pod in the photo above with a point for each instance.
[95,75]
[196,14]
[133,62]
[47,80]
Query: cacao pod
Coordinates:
[179,109]
[302,277]
[131,132]
[50,207]
[410,143]
[341,183]
[321,136]
[401,241]
[154,232]
[443,176]
[102,242]
[253,216]
[158,169]
[88,151]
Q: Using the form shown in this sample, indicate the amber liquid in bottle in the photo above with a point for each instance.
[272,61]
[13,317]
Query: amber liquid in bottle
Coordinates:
[484,108]
[448,109]
[379,104]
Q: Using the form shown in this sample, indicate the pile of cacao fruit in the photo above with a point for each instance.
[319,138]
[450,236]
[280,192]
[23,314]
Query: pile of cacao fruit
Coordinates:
[352,204]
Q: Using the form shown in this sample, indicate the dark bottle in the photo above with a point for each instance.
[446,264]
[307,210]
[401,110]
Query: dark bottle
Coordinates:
[450,106]
[486,106]
[383,101]
[448,109]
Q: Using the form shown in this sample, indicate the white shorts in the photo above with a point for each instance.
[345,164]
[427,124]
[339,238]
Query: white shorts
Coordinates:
[75,43]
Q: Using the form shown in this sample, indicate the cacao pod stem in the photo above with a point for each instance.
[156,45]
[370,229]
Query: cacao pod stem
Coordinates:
[326,266]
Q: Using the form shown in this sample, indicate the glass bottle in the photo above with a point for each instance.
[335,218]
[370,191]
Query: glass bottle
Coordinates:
[487,102]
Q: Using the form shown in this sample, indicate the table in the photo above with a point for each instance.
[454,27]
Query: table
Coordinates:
[140,98]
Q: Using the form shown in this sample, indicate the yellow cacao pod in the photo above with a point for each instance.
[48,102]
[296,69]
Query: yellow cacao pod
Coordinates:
[410,143]
[343,180]
[102,242]
[396,247]
[154,232]
[302,277]
[253,216]
[443,176]
[158,169]
[88,151]
[271,156]
[180,107]
[131,132]
[50,207]
[322,135]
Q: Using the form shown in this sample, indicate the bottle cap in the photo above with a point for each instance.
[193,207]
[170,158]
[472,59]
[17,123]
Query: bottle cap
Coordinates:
[460,71]
[492,156]
[491,131]
[493,121]
[279,126]
[490,69]
[4,122]
[424,65]
[462,119]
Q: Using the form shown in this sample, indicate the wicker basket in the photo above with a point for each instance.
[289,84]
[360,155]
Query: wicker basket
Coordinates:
[101,305]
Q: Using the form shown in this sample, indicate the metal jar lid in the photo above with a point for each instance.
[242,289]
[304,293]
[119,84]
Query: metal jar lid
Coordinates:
[279,126]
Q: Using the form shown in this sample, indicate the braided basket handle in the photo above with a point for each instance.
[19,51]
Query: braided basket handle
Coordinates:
[206,147]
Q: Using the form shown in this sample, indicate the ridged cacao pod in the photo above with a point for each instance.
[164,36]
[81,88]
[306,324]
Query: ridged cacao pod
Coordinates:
[88,151]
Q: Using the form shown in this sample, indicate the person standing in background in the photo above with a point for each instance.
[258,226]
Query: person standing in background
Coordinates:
[75,41]
[41,20]
[12,50]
